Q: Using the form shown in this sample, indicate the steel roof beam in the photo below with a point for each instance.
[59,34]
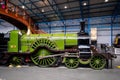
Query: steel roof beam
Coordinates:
[93,6]
[53,4]
[99,12]
[27,7]
[57,11]
[113,17]
[55,8]
[76,9]
[81,9]
[90,24]
[116,11]
[32,11]
[42,15]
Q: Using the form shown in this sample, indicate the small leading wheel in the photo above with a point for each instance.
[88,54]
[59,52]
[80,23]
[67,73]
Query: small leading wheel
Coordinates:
[98,62]
[43,62]
[71,62]
[15,60]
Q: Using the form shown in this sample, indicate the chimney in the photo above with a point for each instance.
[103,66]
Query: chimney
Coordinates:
[82,29]
[82,25]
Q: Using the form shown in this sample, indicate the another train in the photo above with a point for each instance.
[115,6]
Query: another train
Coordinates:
[117,41]
[46,50]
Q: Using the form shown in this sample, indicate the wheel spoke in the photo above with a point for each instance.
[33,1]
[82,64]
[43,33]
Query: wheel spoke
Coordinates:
[48,61]
[40,62]
[45,63]
[36,57]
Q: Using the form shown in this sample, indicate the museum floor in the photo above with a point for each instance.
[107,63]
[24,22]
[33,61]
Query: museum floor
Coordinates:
[59,73]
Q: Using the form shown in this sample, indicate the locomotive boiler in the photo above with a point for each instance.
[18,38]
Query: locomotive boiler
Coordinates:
[46,50]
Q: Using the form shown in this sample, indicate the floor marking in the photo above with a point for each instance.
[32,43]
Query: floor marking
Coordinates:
[118,67]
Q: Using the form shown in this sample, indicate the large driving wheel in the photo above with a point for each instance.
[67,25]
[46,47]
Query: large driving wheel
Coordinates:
[98,62]
[71,62]
[45,62]
[38,58]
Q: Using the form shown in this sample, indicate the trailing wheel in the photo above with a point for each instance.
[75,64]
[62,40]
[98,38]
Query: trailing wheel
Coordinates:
[38,58]
[71,62]
[98,62]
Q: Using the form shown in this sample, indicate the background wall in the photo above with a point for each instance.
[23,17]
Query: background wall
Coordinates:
[104,35]
[5,27]
[106,30]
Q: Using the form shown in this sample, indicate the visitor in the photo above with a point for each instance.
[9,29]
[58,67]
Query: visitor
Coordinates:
[3,4]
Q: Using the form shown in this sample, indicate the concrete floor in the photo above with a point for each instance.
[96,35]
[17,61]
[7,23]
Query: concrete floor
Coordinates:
[59,73]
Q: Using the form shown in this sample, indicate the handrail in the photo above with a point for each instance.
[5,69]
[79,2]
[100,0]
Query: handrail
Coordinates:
[21,13]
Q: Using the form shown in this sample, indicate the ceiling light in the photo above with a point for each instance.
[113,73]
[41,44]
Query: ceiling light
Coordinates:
[65,7]
[23,7]
[106,0]
[84,3]
[42,10]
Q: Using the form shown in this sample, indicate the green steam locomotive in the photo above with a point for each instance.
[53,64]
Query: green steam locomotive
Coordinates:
[46,50]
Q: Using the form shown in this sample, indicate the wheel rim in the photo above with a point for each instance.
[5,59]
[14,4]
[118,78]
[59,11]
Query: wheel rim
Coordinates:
[37,58]
[71,62]
[97,62]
